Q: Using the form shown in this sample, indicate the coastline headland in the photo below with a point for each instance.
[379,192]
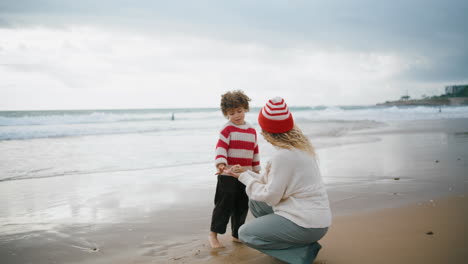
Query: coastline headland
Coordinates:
[428,102]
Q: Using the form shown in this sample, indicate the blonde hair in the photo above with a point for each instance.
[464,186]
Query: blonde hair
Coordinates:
[294,138]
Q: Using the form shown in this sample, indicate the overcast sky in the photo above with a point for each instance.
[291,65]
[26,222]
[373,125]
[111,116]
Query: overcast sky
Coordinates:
[101,54]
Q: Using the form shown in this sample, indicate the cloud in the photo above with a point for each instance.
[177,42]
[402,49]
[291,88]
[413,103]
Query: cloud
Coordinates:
[125,53]
[130,69]
[4,23]
[447,68]
[342,22]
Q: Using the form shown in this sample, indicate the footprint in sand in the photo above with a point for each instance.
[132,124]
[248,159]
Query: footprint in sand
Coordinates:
[147,245]
[80,243]
[155,250]
[155,253]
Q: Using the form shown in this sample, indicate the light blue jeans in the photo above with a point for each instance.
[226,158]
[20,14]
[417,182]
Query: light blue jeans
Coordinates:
[279,237]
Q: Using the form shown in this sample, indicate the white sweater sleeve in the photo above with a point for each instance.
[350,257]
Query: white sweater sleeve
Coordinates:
[270,188]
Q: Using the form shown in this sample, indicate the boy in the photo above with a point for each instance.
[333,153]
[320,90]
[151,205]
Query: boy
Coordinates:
[237,144]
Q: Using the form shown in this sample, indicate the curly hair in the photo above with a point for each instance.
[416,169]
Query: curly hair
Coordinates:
[294,138]
[233,100]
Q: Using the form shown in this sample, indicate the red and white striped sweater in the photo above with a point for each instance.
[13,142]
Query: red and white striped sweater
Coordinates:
[238,145]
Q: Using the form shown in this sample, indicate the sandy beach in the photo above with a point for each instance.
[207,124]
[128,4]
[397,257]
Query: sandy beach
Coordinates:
[427,232]
[397,193]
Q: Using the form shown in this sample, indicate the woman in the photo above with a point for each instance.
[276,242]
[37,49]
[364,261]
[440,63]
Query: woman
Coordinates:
[289,199]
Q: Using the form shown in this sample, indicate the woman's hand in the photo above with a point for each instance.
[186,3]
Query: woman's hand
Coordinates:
[231,172]
[238,168]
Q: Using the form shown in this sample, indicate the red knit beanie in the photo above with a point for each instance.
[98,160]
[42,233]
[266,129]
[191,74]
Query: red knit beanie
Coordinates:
[275,116]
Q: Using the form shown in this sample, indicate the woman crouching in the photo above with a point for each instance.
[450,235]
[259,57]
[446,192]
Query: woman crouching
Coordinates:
[289,199]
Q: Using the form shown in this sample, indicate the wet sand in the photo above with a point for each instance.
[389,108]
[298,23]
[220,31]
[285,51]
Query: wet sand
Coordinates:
[388,188]
[427,232]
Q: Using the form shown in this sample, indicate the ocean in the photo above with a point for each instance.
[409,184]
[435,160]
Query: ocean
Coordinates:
[41,144]
[104,167]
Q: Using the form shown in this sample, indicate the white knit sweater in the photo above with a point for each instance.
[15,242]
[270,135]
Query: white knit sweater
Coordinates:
[293,186]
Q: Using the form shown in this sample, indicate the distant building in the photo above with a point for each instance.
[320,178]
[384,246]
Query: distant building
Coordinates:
[456,89]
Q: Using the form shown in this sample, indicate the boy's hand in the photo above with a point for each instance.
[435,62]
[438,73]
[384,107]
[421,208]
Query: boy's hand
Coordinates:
[220,168]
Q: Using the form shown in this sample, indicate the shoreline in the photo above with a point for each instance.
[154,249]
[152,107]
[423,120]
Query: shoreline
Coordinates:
[162,215]
[388,235]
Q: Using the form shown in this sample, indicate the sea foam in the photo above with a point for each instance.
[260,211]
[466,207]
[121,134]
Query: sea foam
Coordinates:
[43,124]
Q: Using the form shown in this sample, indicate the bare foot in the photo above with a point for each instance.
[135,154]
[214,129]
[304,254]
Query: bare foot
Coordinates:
[236,240]
[214,242]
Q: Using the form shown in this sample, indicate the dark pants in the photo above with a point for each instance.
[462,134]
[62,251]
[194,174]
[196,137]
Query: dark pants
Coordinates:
[231,201]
